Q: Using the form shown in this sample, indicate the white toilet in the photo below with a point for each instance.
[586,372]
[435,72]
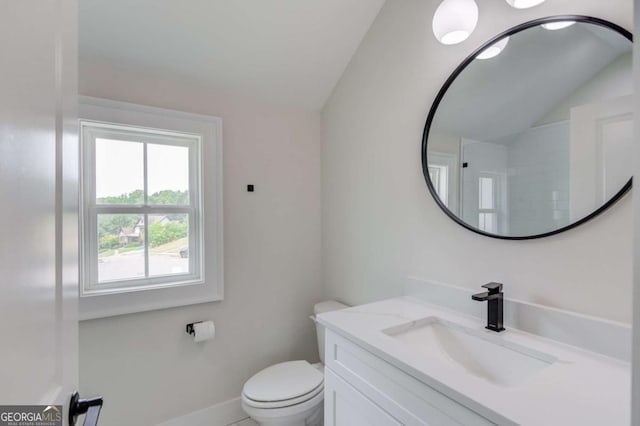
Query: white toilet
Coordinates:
[290,393]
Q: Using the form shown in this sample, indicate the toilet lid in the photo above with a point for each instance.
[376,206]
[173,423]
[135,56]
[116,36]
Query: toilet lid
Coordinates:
[283,381]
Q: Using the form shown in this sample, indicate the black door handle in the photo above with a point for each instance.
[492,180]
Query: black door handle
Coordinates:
[78,406]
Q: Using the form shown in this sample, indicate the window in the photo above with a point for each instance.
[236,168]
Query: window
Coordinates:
[143,220]
[487,208]
[142,207]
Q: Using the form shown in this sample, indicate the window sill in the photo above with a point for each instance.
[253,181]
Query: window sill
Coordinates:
[121,303]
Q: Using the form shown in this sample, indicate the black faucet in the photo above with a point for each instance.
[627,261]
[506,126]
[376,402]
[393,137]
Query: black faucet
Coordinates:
[494,311]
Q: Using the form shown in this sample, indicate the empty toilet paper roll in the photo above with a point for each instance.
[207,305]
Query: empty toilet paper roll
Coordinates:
[205,330]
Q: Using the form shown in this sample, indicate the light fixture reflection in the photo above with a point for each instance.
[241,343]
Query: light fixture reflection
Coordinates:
[455,20]
[494,50]
[524,4]
[557,25]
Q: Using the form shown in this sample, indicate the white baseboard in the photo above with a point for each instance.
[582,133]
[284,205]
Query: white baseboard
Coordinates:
[222,414]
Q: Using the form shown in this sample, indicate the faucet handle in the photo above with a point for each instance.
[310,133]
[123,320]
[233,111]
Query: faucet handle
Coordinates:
[493,287]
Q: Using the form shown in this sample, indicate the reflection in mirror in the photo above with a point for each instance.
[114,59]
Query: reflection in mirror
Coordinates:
[534,135]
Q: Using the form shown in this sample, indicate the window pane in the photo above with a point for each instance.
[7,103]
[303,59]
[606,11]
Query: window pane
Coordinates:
[168,174]
[486,193]
[168,244]
[120,247]
[488,222]
[119,172]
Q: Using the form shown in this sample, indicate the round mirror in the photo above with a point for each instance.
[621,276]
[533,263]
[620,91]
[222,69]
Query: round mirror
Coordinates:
[532,134]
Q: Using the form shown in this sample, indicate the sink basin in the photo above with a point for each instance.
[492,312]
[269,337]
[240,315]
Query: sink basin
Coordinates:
[485,355]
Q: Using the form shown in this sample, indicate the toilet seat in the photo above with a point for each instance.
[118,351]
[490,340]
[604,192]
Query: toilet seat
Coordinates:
[283,385]
[284,403]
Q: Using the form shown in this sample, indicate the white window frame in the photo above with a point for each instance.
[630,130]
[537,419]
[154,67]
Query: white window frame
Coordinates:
[204,283]
[90,131]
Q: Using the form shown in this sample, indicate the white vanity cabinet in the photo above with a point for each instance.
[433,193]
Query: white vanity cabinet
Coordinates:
[363,389]
[345,405]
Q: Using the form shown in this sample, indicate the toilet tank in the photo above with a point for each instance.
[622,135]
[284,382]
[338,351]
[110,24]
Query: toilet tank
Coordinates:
[319,308]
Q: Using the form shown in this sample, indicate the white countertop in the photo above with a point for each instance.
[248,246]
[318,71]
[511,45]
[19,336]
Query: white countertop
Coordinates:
[581,388]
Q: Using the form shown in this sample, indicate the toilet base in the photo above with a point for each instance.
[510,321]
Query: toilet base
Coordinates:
[315,419]
[312,415]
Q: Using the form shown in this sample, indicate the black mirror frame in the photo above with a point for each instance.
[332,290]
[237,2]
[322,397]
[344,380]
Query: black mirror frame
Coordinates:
[451,79]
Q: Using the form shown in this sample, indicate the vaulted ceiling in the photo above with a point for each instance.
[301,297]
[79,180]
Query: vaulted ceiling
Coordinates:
[287,51]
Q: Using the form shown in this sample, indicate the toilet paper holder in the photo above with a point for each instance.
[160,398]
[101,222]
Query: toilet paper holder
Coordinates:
[190,329]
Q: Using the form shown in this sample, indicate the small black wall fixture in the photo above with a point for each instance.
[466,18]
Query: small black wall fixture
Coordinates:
[456,73]
[189,328]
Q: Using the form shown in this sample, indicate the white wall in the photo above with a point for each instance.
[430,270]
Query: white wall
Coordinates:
[380,224]
[614,81]
[145,365]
